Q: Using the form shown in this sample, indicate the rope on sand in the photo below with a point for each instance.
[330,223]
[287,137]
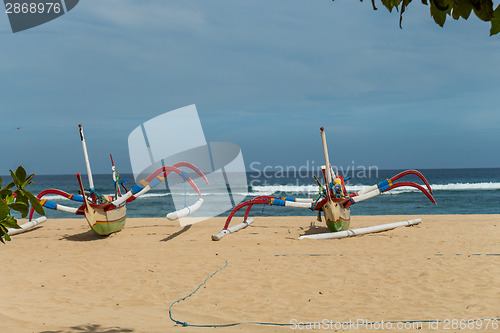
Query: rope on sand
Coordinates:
[216,325]
[185,324]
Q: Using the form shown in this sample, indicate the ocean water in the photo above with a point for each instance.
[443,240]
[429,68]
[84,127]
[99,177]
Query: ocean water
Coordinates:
[457,191]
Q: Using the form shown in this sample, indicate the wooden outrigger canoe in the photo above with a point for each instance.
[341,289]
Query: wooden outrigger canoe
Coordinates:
[107,214]
[333,201]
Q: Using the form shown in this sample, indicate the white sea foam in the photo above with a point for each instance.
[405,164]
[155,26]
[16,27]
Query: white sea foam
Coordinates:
[270,189]
[312,189]
[467,186]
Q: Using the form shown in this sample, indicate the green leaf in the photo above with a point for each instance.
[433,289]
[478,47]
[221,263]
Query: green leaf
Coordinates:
[15,179]
[390,4]
[9,199]
[34,202]
[3,233]
[21,175]
[21,207]
[9,186]
[4,210]
[20,197]
[461,8]
[10,222]
[442,5]
[495,22]
[4,193]
[483,9]
[0,182]
[29,178]
[439,9]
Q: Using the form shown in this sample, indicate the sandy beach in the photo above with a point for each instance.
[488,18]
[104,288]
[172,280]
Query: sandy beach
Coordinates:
[61,277]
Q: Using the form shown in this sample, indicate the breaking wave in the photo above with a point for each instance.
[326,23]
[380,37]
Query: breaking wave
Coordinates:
[313,189]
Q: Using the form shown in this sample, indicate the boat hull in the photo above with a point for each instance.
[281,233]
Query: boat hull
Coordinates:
[105,222]
[338,218]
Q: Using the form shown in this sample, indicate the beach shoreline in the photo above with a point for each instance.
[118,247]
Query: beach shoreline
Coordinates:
[61,277]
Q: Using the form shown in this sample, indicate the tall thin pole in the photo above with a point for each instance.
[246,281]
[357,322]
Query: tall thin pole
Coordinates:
[328,168]
[115,178]
[86,156]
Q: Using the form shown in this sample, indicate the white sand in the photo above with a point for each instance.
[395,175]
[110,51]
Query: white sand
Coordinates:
[62,278]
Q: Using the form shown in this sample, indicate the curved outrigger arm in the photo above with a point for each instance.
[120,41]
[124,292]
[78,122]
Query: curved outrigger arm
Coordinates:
[389,184]
[52,205]
[156,178]
[261,200]
[393,179]
[192,167]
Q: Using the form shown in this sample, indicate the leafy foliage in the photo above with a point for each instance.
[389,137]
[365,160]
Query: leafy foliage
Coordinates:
[440,9]
[18,200]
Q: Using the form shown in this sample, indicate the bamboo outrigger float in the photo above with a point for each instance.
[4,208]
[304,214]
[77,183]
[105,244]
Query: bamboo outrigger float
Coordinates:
[106,214]
[334,202]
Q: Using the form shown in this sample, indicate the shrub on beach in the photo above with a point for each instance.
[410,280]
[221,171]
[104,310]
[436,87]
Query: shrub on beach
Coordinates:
[16,200]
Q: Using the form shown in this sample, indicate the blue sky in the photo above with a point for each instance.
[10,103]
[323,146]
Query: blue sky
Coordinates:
[264,74]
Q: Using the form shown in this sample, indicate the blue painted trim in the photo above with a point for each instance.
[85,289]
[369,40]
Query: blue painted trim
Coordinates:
[154,182]
[50,205]
[77,197]
[278,202]
[383,185]
[137,188]
[184,175]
